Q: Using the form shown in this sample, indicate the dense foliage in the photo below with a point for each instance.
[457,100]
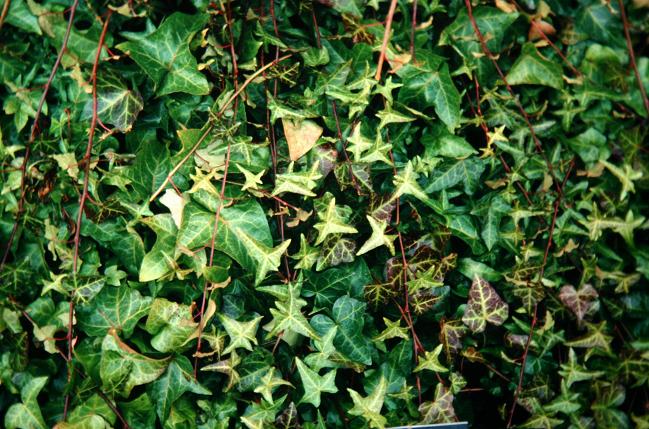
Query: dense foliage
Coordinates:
[331,214]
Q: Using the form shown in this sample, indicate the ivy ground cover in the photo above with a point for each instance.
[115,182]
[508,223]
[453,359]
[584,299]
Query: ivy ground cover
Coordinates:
[324,214]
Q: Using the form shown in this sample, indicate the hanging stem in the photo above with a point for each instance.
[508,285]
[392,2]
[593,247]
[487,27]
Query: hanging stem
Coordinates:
[35,130]
[83,198]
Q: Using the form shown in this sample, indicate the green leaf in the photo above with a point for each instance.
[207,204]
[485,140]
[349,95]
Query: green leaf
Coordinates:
[27,414]
[531,68]
[369,408]
[177,379]
[20,16]
[287,314]
[348,316]
[165,57]
[241,334]
[116,104]
[93,413]
[121,368]
[431,361]
[242,233]
[332,221]
[120,308]
[150,167]
[465,171]
[378,237]
[161,259]
[171,325]
[484,306]
[424,86]
[314,385]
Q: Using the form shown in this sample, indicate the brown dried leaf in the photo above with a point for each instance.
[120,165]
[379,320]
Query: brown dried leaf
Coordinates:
[301,136]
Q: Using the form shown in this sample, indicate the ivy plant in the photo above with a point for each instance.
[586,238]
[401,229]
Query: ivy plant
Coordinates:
[324,214]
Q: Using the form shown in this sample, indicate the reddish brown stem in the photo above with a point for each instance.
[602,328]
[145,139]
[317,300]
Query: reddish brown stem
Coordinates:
[3,14]
[521,374]
[413,28]
[34,130]
[386,38]
[83,198]
[487,52]
[634,66]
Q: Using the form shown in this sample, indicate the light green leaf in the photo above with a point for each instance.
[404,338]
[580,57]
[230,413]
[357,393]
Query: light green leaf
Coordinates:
[241,334]
[431,361]
[287,314]
[531,68]
[332,221]
[116,104]
[369,408]
[314,385]
[27,414]
[161,259]
[378,237]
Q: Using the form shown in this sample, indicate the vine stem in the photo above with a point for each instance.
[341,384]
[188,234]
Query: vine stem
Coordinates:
[3,14]
[386,38]
[36,130]
[211,127]
[84,197]
[413,28]
[217,215]
[548,246]
[488,53]
[334,109]
[634,66]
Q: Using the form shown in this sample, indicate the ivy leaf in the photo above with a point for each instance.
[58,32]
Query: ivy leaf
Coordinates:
[595,338]
[161,258]
[329,285]
[94,412]
[378,237]
[177,379]
[335,251]
[170,323]
[150,167]
[440,410]
[581,302]
[165,57]
[425,86]
[116,104]
[301,136]
[392,330]
[332,221]
[625,175]
[120,308]
[431,361]
[484,306]
[287,314]
[121,368]
[348,316]
[269,383]
[301,183]
[405,183]
[27,414]
[369,408]
[531,68]
[573,372]
[465,171]
[241,334]
[314,385]
[243,233]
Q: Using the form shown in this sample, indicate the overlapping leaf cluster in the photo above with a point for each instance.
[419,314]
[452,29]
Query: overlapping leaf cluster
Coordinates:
[277,234]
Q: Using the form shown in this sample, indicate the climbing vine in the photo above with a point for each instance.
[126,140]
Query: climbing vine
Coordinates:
[324,214]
